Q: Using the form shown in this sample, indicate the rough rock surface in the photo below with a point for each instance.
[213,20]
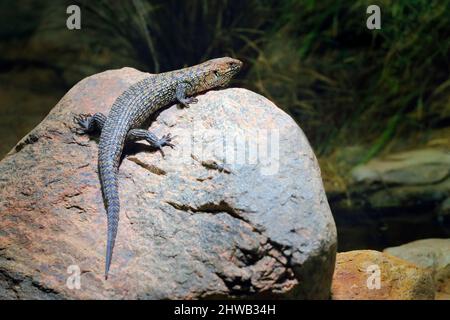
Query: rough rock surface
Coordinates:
[193,225]
[354,278]
[432,254]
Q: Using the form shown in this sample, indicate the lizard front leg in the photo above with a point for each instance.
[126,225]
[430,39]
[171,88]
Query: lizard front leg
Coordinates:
[181,95]
[90,123]
[151,138]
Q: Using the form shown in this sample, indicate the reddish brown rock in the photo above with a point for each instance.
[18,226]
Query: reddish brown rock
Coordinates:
[193,225]
[357,273]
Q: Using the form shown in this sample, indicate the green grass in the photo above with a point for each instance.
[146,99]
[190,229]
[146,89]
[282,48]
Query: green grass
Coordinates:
[347,84]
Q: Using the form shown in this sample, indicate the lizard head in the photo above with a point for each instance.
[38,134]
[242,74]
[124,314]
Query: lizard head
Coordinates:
[218,72]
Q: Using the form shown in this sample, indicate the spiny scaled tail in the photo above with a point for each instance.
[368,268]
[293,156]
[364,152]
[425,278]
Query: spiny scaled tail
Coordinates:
[111,194]
[113,222]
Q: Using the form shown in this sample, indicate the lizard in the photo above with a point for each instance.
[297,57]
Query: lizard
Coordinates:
[131,109]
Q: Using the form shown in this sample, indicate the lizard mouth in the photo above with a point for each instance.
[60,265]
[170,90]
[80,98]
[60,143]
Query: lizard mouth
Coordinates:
[233,68]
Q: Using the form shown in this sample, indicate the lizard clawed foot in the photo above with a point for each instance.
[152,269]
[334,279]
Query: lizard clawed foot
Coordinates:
[164,141]
[187,101]
[84,121]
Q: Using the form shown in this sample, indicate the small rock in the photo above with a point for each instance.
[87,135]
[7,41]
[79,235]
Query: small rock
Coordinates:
[373,275]
[424,166]
[432,254]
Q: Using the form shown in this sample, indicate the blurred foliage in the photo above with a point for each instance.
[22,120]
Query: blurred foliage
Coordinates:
[160,35]
[344,84]
[168,34]
[347,84]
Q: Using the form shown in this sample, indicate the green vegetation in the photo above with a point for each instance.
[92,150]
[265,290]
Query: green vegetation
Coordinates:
[344,84]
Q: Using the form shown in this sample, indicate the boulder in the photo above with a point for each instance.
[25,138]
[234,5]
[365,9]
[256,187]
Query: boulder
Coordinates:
[207,221]
[373,275]
[432,254]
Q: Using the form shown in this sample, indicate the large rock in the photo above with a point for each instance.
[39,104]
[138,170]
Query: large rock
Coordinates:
[373,275]
[432,254]
[196,224]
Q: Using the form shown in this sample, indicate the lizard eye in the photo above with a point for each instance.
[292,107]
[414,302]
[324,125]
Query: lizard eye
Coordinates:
[217,74]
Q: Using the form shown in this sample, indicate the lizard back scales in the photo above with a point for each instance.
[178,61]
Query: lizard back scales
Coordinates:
[131,109]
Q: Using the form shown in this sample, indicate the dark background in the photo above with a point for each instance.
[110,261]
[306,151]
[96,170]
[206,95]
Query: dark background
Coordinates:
[358,94]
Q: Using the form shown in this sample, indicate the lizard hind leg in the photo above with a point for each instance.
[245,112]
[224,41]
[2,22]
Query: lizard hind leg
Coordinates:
[89,123]
[151,138]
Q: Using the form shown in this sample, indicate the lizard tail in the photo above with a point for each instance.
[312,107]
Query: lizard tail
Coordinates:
[113,222]
[111,194]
